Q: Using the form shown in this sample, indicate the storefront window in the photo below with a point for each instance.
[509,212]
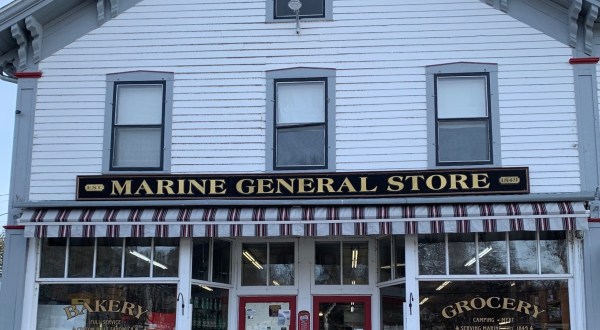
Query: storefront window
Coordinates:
[490,253]
[110,257]
[52,261]
[391,258]
[106,306]
[210,307]
[523,253]
[211,254]
[432,254]
[461,253]
[553,249]
[137,258]
[507,304]
[270,264]
[355,263]
[327,263]
[81,257]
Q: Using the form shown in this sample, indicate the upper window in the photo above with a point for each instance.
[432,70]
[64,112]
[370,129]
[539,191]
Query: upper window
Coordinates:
[301,117]
[139,118]
[311,9]
[463,112]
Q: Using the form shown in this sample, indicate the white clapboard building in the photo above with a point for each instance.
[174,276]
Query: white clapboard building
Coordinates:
[303,164]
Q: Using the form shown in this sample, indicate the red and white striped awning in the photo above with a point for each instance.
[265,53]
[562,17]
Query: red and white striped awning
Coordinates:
[303,221]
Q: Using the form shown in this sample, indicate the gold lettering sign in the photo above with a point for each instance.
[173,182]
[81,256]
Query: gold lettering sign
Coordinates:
[478,303]
[102,306]
[306,185]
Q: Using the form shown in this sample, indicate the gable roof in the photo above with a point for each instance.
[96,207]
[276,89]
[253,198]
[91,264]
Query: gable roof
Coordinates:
[26,24]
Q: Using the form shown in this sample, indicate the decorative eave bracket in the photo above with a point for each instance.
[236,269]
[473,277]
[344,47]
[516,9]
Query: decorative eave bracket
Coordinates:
[35,28]
[498,4]
[19,34]
[101,5]
[574,11]
[590,19]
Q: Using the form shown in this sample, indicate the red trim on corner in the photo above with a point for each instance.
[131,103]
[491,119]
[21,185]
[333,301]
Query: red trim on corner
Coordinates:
[584,60]
[595,220]
[14,227]
[37,74]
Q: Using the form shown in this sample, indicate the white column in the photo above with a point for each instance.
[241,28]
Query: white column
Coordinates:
[30,295]
[184,315]
[412,285]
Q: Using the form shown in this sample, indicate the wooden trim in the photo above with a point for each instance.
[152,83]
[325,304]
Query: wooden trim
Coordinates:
[37,74]
[584,60]
[594,220]
[14,227]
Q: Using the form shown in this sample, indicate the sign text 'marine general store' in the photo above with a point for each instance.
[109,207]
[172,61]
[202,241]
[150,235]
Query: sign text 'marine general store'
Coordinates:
[306,185]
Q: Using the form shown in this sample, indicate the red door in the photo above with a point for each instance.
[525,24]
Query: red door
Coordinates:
[272,312]
[341,312]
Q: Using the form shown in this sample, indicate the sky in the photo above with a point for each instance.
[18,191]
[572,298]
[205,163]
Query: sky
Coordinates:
[8,97]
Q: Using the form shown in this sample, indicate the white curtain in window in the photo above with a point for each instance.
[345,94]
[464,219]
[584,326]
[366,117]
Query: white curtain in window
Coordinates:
[300,102]
[139,105]
[461,97]
[137,147]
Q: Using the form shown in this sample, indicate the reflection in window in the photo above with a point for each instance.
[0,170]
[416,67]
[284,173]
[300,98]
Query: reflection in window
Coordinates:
[553,250]
[210,254]
[221,261]
[109,257]
[166,261]
[254,262]
[492,253]
[138,254]
[461,253]
[135,306]
[209,307]
[385,259]
[281,264]
[479,304]
[523,253]
[392,299]
[81,257]
[327,263]
[432,255]
[52,261]
[355,263]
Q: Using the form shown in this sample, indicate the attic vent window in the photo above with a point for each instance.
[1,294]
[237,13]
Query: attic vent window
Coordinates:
[286,9]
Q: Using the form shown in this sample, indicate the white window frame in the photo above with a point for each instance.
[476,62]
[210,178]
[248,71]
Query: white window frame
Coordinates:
[300,74]
[490,71]
[138,78]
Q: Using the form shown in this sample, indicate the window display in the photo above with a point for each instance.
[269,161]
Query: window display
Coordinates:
[507,305]
[107,306]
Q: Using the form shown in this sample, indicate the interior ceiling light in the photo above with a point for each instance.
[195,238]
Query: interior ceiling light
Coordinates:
[250,258]
[481,254]
[354,258]
[143,257]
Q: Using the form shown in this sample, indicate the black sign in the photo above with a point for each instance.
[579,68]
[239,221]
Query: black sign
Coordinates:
[306,185]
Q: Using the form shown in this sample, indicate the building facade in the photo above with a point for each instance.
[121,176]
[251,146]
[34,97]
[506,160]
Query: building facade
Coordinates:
[329,164]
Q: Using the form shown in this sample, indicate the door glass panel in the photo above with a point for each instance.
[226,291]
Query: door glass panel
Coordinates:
[392,310]
[385,258]
[210,307]
[221,261]
[341,315]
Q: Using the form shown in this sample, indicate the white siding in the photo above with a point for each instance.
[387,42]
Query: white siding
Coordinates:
[220,50]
